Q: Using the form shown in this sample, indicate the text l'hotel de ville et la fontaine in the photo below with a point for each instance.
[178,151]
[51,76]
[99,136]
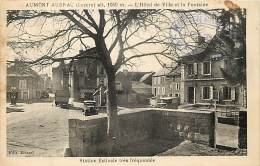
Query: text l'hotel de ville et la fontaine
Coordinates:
[116,4]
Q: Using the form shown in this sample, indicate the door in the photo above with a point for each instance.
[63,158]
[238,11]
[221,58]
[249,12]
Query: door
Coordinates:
[24,95]
[191,94]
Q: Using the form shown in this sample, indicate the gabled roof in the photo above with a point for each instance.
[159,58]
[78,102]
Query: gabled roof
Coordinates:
[203,50]
[146,76]
[164,71]
[174,70]
[21,69]
[195,54]
[133,76]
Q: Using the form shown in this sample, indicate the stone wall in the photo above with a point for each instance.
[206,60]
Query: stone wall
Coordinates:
[88,137]
[197,126]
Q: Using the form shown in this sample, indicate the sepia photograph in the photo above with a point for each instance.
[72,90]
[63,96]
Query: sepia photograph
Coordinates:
[126,82]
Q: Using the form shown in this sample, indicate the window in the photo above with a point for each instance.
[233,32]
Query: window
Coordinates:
[163,90]
[22,84]
[177,86]
[176,95]
[190,69]
[118,86]
[206,68]
[228,93]
[207,92]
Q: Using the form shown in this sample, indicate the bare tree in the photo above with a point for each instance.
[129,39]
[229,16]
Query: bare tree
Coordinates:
[118,34]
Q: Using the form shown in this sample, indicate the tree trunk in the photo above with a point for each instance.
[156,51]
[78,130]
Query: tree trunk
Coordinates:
[112,129]
[113,132]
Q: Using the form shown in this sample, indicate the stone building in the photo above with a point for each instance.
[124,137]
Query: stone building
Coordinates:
[81,76]
[24,80]
[60,77]
[203,80]
[166,83]
[133,87]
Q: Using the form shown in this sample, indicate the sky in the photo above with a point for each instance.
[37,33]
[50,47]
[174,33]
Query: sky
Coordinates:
[50,26]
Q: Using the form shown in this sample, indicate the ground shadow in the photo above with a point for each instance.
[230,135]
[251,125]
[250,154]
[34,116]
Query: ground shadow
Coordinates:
[9,110]
[150,147]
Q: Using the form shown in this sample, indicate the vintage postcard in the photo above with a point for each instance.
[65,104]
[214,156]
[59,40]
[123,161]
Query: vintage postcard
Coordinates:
[95,82]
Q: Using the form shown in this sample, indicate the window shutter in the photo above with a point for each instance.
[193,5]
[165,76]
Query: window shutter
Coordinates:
[163,90]
[216,95]
[210,65]
[201,92]
[201,64]
[233,94]
[221,95]
[211,92]
[195,68]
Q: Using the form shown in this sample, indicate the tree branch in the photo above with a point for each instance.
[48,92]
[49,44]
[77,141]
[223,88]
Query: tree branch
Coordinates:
[80,25]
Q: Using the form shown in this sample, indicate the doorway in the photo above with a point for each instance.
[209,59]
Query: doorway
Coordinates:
[191,94]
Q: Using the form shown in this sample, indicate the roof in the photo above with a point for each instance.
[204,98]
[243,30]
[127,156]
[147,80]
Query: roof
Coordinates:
[196,53]
[203,50]
[162,72]
[21,69]
[146,76]
[137,84]
[133,76]
[141,88]
[175,72]
[172,71]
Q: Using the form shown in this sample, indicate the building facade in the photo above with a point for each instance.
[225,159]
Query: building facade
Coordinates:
[24,81]
[166,83]
[47,85]
[81,76]
[203,80]
[133,87]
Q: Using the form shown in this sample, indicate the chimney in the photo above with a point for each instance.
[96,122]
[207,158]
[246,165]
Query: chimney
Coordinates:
[80,51]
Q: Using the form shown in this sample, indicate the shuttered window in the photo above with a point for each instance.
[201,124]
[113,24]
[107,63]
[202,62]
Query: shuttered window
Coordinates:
[190,69]
[207,92]
[229,93]
[206,68]
[195,68]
